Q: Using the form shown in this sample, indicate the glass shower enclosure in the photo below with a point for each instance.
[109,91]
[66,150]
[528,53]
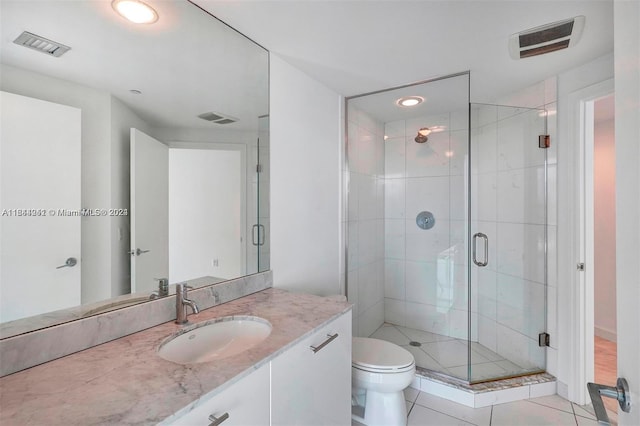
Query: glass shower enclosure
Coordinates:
[446,228]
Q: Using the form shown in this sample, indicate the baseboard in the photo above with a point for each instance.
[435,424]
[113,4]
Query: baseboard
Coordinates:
[563,389]
[606,334]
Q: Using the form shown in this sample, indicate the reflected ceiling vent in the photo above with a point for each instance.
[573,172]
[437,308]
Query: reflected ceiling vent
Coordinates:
[41,44]
[217,118]
[547,38]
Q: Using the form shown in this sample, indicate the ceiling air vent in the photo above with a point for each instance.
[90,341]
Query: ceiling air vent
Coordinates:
[547,38]
[217,118]
[41,44]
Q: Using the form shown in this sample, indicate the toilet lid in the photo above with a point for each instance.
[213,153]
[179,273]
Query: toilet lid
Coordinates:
[376,354]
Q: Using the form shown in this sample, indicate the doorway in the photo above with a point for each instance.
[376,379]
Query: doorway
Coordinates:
[604,246]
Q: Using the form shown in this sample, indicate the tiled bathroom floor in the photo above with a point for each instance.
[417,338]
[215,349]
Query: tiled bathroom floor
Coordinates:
[428,410]
[448,355]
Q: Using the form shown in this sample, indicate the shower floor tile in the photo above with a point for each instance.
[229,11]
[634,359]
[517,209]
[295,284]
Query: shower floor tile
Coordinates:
[448,355]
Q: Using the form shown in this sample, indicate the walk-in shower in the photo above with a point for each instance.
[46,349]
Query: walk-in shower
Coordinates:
[447,237]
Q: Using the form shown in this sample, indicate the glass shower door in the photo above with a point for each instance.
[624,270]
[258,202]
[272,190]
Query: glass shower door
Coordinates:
[507,241]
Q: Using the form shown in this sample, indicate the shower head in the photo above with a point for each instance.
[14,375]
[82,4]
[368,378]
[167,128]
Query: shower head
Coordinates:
[421,137]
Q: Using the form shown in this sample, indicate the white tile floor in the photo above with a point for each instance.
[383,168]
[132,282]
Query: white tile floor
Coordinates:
[449,355]
[429,410]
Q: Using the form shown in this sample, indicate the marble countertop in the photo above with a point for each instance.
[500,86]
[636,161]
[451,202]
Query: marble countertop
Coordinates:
[125,382]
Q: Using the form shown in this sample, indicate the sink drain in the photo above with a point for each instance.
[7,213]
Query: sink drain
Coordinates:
[414,343]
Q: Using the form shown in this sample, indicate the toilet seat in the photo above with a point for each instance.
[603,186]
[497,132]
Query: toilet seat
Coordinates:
[379,356]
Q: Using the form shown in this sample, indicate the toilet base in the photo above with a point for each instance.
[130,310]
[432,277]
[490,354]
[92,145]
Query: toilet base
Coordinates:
[382,409]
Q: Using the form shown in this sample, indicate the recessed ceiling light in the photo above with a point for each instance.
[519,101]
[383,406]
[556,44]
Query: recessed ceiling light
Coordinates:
[409,101]
[135,11]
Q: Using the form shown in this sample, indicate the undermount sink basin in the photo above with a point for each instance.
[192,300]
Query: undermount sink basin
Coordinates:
[215,339]
[115,305]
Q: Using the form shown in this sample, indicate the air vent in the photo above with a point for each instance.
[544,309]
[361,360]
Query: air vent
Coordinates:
[41,44]
[210,116]
[217,118]
[547,38]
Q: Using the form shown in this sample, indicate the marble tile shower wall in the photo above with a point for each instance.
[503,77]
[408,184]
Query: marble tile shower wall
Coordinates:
[425,270]
[365,185]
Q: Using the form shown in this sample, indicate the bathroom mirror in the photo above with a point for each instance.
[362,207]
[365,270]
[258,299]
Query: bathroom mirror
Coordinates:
[129,153]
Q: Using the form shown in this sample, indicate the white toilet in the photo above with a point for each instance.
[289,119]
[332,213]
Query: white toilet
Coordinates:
[380,371]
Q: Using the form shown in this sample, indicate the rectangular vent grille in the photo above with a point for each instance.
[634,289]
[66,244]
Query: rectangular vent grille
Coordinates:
[41,44]
[210,116]
[544,49]
[547,38]
[543,36]
[217,118]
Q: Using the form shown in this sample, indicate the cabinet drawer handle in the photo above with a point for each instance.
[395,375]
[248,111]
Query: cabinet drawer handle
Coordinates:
[215,421]
[331,338]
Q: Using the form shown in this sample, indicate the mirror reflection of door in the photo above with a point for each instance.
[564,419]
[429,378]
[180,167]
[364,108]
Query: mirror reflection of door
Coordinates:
[40,205]
[149,215]
[187,214]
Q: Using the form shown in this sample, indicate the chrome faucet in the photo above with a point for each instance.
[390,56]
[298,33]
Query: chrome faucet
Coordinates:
[163,289]
[182,302]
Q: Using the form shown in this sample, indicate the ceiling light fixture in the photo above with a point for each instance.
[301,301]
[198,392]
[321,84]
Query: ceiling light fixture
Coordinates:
[135,11]
[410,101]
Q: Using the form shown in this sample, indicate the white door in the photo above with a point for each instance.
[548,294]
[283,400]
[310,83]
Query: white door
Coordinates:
[40,205]
[149,211]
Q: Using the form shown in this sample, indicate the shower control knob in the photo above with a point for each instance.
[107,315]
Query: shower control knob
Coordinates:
[425,220]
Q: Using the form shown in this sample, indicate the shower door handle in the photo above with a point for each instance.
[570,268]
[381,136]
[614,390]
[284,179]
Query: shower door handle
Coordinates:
[253,235]
[486,249]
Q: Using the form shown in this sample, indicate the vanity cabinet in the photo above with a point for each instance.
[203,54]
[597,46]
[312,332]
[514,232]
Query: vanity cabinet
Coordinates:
[311,382]
[246,402]
[308,384]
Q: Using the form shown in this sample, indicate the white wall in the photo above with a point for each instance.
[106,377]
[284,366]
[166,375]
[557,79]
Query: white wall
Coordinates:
[205,199]
[627,78]
[305,141]
[604,182]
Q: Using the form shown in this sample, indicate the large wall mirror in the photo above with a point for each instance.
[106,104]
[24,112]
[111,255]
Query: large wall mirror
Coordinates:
[140,154]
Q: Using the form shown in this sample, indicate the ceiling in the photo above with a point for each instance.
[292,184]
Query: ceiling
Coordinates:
[360,46]
[186,64]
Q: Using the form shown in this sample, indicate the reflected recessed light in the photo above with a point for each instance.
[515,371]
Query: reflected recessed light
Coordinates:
[135,11]
[409,101]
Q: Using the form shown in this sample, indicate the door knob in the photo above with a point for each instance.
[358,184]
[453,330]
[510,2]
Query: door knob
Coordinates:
[138,252]
[69,263]
[620,393]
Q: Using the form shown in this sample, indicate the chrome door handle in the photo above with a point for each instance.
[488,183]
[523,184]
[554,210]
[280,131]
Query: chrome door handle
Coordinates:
[138,252]
[69,263]
[486,249]
[253,235]
[331,338]
[215,421]
[263,233]
[619,393]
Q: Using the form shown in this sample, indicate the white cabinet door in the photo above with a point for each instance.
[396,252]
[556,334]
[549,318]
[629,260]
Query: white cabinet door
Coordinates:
[314,388]
[246,402]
